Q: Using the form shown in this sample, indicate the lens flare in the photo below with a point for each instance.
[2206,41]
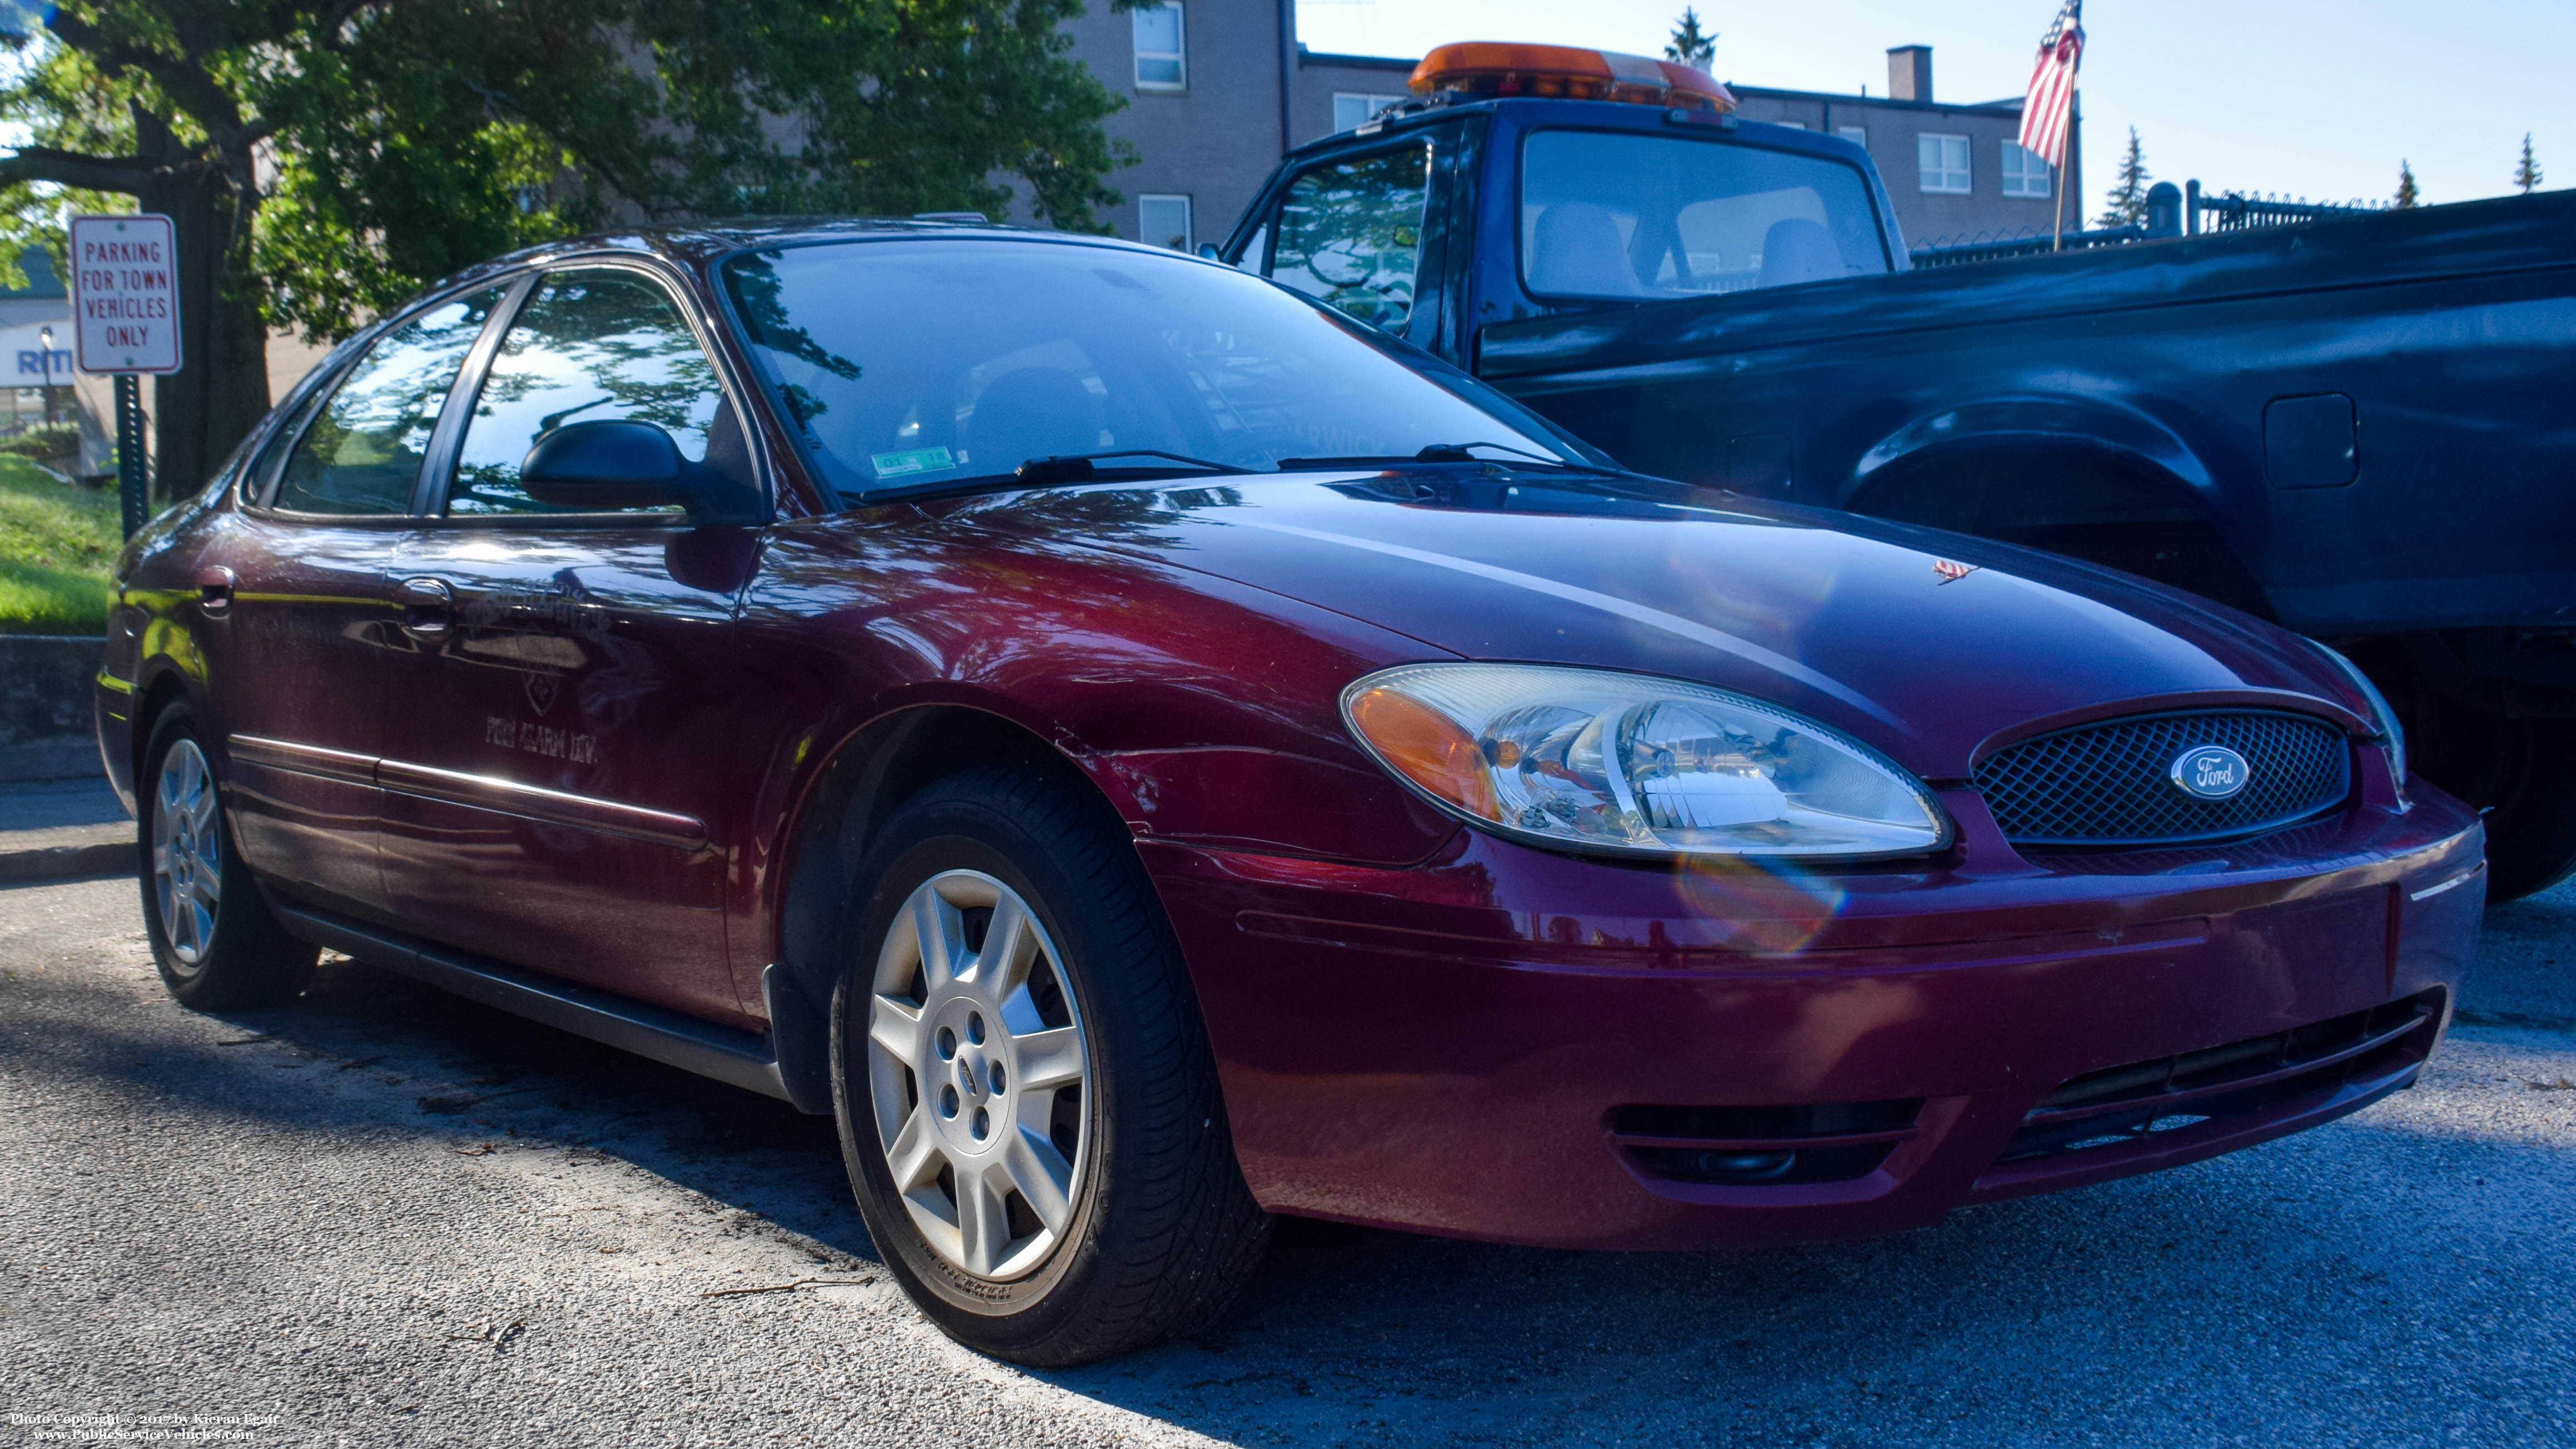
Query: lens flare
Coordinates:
[1757,905]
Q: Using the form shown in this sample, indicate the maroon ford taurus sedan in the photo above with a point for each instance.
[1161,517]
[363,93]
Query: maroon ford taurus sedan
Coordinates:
[1147,753]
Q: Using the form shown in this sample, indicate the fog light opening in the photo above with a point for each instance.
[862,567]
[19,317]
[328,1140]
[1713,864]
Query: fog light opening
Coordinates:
[1741,1166]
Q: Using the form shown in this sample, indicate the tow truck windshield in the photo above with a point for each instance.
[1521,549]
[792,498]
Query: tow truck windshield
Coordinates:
[1607,214]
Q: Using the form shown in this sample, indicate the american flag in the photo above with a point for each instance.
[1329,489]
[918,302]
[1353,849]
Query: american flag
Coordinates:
[2051,101]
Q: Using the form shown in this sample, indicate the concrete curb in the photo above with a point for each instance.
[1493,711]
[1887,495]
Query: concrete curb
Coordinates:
[68,862]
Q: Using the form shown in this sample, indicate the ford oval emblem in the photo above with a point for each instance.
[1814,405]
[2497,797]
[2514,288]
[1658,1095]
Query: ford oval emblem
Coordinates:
[2211,772]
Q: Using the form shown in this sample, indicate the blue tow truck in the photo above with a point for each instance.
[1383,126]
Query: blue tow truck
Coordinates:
[2362,428]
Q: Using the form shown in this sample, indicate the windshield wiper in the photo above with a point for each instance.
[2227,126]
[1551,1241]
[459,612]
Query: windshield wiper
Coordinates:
[1053,468]
[1443,453]
[1074,467]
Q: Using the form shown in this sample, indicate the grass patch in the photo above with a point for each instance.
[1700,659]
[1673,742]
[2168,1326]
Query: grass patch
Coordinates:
[58,545]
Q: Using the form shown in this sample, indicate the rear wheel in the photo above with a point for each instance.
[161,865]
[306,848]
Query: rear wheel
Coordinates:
[1027,1102]
[213,938]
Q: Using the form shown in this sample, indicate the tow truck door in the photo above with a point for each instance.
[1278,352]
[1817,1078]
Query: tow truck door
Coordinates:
[1370,228]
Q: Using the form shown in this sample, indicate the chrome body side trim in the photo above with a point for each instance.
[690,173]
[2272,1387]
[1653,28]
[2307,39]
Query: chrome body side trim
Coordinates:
[484,792]
[303,759]
[557,807]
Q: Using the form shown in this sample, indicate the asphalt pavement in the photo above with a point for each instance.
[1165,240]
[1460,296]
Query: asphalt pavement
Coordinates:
[388,1217]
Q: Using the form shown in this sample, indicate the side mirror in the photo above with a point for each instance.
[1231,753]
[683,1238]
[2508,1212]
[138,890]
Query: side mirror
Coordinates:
[605,466]
[1209,251]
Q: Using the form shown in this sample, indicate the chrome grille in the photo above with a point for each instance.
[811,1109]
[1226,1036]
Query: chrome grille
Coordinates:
[2110,783]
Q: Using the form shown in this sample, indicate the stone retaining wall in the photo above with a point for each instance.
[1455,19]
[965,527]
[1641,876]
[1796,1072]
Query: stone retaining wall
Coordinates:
[44,706]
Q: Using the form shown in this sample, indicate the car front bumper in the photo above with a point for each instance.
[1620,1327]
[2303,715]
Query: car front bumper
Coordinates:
[1470,1046]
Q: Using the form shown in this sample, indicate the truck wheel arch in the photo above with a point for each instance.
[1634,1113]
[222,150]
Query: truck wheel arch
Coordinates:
[2074,476]
[2107,432]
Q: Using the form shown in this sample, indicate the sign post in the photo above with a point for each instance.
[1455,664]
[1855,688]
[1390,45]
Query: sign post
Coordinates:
[125,310]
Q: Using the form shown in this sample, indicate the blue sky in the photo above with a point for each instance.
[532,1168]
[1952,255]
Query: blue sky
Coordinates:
[2319,98]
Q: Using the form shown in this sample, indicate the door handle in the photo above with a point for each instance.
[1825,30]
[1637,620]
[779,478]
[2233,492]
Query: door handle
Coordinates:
[428,608]
[215,590]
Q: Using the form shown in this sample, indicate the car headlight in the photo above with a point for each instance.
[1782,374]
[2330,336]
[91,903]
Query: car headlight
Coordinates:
[1593,760]
[2392,735]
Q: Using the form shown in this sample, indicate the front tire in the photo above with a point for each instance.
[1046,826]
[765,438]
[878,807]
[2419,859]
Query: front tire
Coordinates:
[1028,1105]
[216,944]
[2521,774]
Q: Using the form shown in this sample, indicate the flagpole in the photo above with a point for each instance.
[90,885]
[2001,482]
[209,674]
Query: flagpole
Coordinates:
[2066,150]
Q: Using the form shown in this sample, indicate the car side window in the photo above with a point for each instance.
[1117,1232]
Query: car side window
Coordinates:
[593,344]
[362,452]
[1350,234]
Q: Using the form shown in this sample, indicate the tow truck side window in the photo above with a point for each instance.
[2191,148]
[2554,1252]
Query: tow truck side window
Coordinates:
[1350,233]
[1615,215]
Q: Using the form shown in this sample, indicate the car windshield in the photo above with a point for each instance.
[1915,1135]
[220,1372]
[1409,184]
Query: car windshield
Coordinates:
[1609,214]
[923,364]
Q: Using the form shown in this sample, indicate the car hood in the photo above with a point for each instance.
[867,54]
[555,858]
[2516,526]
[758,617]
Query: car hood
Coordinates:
[1922,643]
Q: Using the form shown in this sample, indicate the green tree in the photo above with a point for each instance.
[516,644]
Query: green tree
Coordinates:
[2125,204]
[2526,172]
[322,159]
[1691,45]
[2407,197]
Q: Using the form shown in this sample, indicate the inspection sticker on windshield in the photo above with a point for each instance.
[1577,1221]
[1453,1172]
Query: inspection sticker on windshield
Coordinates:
[919,460]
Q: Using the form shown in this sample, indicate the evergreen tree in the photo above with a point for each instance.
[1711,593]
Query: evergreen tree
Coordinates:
[2526,174]
[1691,45]
[2407,197]
[2126,203]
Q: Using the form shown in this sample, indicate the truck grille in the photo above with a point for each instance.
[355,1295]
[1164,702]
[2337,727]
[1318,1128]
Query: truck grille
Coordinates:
[2111,784]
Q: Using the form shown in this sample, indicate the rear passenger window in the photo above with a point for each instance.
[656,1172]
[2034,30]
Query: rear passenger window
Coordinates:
[362,453]
[1350,234]
[593,344]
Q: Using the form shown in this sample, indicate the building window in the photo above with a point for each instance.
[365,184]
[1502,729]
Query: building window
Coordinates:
[1944,163]
[1351,108]
[2025,173]
[1162,62]
[1857,135]
[1163,221]
[1792,125]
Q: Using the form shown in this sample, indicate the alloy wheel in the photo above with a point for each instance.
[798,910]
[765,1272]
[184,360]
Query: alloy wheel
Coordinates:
[978,1069]
[187,854]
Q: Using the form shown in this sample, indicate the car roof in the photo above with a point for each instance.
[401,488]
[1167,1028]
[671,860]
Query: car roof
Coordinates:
[702,241]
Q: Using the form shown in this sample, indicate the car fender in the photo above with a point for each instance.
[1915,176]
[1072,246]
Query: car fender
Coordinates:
[1189,765]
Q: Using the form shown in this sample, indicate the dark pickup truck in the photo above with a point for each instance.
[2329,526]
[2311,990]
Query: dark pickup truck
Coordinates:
[2362,428]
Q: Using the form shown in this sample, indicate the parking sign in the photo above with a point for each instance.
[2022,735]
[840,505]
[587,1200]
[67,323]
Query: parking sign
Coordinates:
[125,293]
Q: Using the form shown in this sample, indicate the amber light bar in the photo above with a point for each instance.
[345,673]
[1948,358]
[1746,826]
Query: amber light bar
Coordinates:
[1564,72]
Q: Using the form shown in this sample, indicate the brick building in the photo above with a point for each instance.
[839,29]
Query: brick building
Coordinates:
[1953,170]
[1217,90]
